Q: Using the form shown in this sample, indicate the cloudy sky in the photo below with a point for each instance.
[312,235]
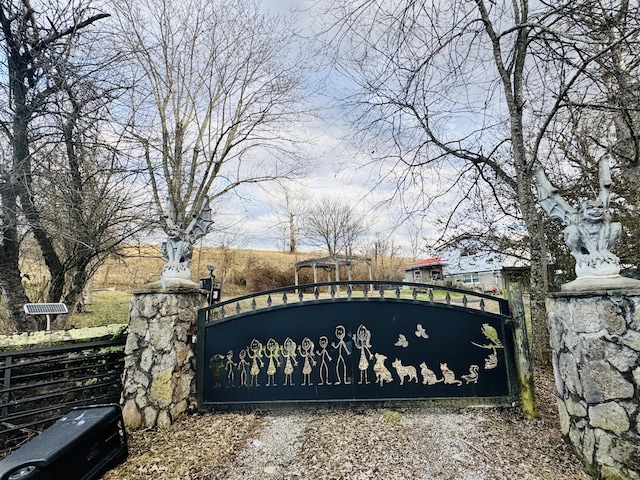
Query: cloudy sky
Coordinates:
[334,173]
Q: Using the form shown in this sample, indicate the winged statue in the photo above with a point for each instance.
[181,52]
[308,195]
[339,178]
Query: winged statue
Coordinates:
[178,247]
[589,232]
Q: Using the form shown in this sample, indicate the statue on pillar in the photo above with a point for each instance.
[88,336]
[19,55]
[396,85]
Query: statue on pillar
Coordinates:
[178,247]
[589,232]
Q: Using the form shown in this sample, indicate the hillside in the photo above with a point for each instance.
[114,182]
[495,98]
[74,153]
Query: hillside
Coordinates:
[239,271]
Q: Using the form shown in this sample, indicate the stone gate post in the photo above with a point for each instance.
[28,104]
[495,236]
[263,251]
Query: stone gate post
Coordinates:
[159,376]
[595,338]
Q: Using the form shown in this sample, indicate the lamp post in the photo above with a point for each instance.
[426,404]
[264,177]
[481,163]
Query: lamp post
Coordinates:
[209,285]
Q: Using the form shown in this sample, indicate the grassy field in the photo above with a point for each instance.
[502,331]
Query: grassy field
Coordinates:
[107,307]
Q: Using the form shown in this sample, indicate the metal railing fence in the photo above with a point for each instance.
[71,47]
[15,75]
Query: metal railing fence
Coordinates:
[38,386]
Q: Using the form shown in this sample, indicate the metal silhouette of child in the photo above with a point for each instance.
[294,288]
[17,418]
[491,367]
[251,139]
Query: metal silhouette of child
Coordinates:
[289,353]
[255,353]
[323,341]
[306,352]
[273,354]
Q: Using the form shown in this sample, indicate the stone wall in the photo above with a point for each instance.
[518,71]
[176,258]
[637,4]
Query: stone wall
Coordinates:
[595,338]
[53,338]
[159,377]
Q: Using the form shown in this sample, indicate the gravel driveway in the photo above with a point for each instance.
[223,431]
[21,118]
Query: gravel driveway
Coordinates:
[359,443]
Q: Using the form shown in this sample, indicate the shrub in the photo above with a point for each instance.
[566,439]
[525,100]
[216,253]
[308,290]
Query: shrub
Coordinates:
[260,276]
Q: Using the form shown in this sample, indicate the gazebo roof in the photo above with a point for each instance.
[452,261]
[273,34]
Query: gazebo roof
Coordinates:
[332,260]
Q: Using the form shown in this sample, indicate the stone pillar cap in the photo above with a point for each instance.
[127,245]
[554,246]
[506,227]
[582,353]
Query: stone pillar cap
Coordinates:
[600,283]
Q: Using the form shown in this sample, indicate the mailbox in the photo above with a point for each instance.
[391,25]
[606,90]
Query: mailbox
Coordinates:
[82,445]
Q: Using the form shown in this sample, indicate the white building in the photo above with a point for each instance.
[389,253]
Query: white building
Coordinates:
[485,272]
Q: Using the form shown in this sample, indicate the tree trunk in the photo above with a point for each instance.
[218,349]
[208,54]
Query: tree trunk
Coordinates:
[10,279]
[541,349]
[292,234]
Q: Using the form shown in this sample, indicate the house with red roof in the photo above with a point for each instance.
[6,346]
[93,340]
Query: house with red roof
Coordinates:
[430,270]
[484,272]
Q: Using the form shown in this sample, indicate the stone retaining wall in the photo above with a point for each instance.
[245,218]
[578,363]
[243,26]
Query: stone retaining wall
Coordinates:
[53,338]
[159,377]
[595,338]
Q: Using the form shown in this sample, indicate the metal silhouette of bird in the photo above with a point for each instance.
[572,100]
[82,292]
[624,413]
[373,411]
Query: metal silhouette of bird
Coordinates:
[402,341]
[491,334]
[421,332]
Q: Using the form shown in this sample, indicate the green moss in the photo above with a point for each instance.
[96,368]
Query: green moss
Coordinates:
[23,341]
[161,386]
[391,416]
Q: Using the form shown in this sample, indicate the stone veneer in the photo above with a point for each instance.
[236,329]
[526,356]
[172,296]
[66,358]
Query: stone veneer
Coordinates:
[595,338]
[159,376]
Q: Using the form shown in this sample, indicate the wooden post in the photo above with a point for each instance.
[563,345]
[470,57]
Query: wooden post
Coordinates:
[524,365]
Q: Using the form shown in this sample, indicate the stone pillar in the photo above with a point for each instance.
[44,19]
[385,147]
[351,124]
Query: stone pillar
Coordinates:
[159,375]
[595,338]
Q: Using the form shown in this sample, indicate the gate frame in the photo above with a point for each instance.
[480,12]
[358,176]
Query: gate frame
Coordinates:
[334,291]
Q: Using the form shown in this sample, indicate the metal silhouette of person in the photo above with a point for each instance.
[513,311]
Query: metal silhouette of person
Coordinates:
[273,354]
[255,353]
[362,341]
[341,347]
[325,358]
[229,366]
[306,352]
[242,367]
[289,349]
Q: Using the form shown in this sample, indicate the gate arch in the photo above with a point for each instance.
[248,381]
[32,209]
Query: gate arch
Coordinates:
[356,341]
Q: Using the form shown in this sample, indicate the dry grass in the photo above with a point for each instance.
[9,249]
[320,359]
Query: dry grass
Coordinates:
[139,265]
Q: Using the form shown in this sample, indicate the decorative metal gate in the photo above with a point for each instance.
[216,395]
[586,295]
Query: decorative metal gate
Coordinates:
[356,341]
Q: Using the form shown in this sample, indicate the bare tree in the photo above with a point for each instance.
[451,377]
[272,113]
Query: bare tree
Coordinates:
[413,233]
[453,94]
[89,199]
[385,252]
[289,209]
[219,92]
[36,41]
[334,225]
[606,113]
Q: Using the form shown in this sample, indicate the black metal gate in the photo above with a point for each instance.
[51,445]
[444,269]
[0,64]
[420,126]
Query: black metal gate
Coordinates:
[356,341]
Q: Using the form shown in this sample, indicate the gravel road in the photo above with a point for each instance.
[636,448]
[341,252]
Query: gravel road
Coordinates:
[359,443]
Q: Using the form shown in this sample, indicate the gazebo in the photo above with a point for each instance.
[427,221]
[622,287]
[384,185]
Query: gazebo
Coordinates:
[333,262]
